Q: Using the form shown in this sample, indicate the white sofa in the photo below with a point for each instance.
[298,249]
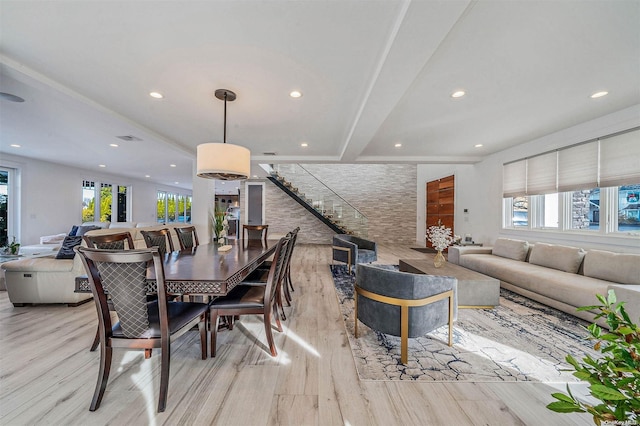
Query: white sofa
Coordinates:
[559,276]
[51,280]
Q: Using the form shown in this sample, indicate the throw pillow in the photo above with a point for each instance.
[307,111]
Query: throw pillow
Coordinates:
[620,268]
[66,251]
[563,258]
[511,249]
[83,229]
[74,230]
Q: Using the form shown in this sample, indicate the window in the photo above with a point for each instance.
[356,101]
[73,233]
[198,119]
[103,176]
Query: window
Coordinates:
[173,207]
[629,208]
[88,201]
[8,228]
[584,212]
[585,209]
[520,212]
[104,205]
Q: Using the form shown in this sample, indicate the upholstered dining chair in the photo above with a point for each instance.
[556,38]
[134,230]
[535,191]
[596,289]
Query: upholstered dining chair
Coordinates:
[353,250]
[160,238]
[255,232]
[187,237]
[404,304]
[144,325]
[119,241]
[253,299]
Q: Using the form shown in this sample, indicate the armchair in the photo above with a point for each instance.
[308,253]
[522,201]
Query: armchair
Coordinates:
[404,304]
[353,250]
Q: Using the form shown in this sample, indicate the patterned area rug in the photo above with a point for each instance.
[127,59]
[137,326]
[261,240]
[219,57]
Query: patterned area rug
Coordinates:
[520,340]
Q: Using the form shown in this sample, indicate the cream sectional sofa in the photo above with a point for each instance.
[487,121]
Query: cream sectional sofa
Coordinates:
[559,276]
[51,280]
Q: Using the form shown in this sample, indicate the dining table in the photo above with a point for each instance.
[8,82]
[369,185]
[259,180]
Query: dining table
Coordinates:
[206,269]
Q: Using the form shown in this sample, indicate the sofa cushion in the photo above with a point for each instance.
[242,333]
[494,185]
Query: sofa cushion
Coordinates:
[620,268]
[511,249]
[563,258]
[66,251]
[120,225]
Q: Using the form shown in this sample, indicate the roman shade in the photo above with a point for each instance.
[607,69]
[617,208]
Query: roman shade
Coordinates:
[542,174]
[514,178]
[619,156]
[578,167]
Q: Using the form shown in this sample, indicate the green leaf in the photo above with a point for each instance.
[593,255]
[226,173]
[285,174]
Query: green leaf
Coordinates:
[625,330]
[588,308]
[562,397]
[605,393]
[571,360]
[564,407]
[611,297]
[601,299]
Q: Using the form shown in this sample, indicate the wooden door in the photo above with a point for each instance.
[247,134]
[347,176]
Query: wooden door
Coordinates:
[440,203]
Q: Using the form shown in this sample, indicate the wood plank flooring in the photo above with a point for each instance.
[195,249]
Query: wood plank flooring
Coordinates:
[47,374]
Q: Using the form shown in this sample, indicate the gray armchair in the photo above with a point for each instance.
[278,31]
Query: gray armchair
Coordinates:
[404,304]
[353,250]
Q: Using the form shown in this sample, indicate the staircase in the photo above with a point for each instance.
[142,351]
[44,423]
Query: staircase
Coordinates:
[318,199]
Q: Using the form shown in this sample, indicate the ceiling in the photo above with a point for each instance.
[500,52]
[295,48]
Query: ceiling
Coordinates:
[373,74]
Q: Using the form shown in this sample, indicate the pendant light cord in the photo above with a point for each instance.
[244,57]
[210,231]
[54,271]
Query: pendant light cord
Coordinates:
[224,139]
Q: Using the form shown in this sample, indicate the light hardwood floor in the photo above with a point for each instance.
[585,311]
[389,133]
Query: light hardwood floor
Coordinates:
[47,374]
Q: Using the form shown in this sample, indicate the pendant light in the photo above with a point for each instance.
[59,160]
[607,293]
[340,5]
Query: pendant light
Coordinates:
[223,161]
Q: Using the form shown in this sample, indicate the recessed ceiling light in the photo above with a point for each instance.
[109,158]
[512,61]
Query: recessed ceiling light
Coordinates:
[458,94]
[478,145]
[114,145]
[156,95]
[398,145]
[304,144]
[15,145]
[176,183]
[172,165]
[255,176]
[599,94]
[296,94]
[102,165]
[147,176]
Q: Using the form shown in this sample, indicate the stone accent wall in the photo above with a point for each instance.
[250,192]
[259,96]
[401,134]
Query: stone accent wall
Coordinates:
[384,193]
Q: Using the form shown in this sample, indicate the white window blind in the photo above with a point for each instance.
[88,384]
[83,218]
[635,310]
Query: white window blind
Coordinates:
[578,167]
[514,179]
[620,159]
[542,174]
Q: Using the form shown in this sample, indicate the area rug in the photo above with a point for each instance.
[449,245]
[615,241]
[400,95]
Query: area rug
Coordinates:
[520,340]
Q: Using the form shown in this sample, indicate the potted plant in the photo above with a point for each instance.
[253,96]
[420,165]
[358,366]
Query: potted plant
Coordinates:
[12,248]
[614,378]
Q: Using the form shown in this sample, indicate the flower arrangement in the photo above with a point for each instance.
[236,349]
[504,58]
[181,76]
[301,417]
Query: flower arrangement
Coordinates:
[440,237]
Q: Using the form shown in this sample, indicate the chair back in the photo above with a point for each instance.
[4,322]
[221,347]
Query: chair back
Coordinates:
[394,285]
[122,276]
[276,272]
[187,237]
[110,241]
[255,232]
[160,238]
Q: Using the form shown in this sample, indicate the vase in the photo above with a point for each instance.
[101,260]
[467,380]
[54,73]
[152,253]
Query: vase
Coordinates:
[439,260]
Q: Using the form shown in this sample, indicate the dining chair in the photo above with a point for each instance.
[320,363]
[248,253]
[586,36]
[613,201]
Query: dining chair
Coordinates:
[259,276]
[187,237]
[255,232]
[256,299]
[110,241]
[142,325]
[160,238]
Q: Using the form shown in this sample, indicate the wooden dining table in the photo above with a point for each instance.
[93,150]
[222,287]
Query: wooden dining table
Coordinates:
[206,270]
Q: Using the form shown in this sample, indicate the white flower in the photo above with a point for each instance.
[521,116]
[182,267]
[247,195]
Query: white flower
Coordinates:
[440,237]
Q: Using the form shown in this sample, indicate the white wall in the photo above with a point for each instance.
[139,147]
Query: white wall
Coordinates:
[479,188]
[51,199]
